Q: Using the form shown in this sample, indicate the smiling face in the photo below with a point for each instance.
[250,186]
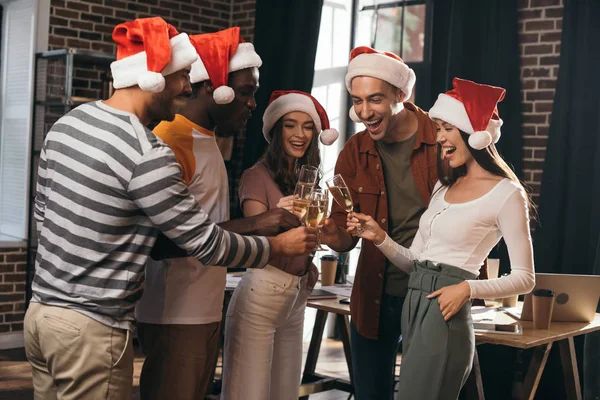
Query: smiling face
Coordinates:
[375,103]
[296,133]
[165,104]
[453,149]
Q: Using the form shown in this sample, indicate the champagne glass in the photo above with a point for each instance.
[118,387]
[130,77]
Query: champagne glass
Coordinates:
[341,194]
[317,212]
[307,180]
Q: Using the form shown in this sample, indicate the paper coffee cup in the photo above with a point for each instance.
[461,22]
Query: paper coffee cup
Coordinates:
[328,269]
[543,305]
[510,301]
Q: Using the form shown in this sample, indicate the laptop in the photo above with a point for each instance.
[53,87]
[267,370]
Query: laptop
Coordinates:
[576,297]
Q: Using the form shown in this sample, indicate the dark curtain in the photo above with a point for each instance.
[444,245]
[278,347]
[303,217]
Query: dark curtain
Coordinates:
[567,237]
[286,36]
[478,40]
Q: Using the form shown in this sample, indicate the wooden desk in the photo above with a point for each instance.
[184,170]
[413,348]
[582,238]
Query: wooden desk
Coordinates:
[311,381]
[541,341]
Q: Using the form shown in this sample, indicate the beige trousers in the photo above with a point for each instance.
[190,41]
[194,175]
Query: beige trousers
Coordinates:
[75,357]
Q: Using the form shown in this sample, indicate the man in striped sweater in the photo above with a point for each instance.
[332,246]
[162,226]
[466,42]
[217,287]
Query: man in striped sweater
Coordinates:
[106,187]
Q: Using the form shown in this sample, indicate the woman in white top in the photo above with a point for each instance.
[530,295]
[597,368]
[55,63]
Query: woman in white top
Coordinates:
[477,201]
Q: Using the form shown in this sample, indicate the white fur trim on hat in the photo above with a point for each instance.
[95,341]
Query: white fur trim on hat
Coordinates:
[382,67]
[451,110]
[151,82]
[244,57]
[480,140]
[129,71]
[285,104]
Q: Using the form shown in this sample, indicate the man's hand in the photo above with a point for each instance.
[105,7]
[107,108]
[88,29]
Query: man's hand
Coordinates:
[287,203]
[275,221]
[452,298]
[334,237]
[295,242]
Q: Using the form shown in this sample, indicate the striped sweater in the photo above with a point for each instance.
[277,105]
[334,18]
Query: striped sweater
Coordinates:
[106,187]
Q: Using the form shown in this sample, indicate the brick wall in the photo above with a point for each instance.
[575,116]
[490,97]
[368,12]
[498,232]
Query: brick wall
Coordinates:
[12,289]
[540,28]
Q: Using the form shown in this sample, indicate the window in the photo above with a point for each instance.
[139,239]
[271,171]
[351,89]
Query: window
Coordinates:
[19,37]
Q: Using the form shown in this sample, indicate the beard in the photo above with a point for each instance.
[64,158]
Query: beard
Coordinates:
[163,106]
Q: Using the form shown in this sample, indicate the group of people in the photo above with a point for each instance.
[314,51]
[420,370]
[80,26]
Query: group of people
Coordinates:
[135,230]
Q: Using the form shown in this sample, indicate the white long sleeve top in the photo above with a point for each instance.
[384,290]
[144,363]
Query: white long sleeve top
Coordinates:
[463,234]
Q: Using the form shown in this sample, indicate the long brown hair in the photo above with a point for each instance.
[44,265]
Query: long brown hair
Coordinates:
[489,159]
[277,163]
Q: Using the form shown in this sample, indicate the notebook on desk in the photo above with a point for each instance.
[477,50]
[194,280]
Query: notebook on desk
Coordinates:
[321,294]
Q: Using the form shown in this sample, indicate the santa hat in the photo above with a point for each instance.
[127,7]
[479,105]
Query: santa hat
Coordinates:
[287,101]
[365,61]
[472,108]
[147,49]
[221,53]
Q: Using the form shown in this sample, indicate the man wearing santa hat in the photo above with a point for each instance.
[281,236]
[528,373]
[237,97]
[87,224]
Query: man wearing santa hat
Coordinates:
[106,187]
[180,312]
[390,169]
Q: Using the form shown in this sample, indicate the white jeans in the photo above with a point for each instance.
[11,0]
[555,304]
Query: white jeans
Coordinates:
[263,337]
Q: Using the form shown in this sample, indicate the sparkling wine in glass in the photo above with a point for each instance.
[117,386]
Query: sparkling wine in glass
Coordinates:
[341,194]
[307,180]
[317,212]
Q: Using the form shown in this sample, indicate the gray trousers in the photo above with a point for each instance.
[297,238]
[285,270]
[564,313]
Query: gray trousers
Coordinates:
[437,355]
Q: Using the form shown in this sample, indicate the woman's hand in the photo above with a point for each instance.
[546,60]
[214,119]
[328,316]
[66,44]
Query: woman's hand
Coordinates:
[370,229]
[287,202]
[452,298]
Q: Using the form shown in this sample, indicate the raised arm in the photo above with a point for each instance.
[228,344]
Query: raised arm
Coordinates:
[513,222]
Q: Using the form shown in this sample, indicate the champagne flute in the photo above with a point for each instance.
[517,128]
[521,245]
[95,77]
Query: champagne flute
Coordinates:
[317,211]
[341,194]
[307,180]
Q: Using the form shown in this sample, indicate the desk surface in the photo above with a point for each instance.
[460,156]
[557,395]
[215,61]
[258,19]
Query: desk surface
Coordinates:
[530,337]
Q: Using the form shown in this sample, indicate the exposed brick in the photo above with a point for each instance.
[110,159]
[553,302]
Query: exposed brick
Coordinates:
[181,15]
[13,317]
[529,14]
[57,21]
[91,17]
[538,49]
[103,47]
[543,25]
[104,28]
[6,307]
[528,130]
[13,277]
[534,119]
[528,84]
[540,95]
[550,37]
[14,258]
[550,60]
[138,7]
[555,72]
[527,107]
[547,84]
[534,142]
[81,25]
[529,165]
[20,306]
[543,106]
[125,15]
[523,4]
[536,72]
[103,10]
[57,3]
[251,6]
[529,37]
[79,44]
[61,12]
[77,5]
[170,5]
[559,24]
[90,36]
[20,287]
[544,3]
[542,131]
[11,298]
[557,48]
[20,267]
[115,4]
[193,10]
[7,268]
[7,288]
[553,12]
[16,327]
[64,32]
[539,154]
[4,328]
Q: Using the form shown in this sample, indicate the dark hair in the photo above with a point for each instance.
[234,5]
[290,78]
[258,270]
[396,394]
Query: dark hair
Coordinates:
[277,164]
[488,158]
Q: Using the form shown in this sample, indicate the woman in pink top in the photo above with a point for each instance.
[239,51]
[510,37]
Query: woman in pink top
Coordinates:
[477,201]
[265,318]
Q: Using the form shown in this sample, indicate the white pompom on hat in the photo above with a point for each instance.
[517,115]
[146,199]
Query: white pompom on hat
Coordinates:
[472,108]
[220,53]
[147,50]
[286,101]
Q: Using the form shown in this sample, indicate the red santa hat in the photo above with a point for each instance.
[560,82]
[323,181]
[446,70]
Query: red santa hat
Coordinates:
[365,61]
[148,49]
[472,108]
[287,101]
[221,53]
